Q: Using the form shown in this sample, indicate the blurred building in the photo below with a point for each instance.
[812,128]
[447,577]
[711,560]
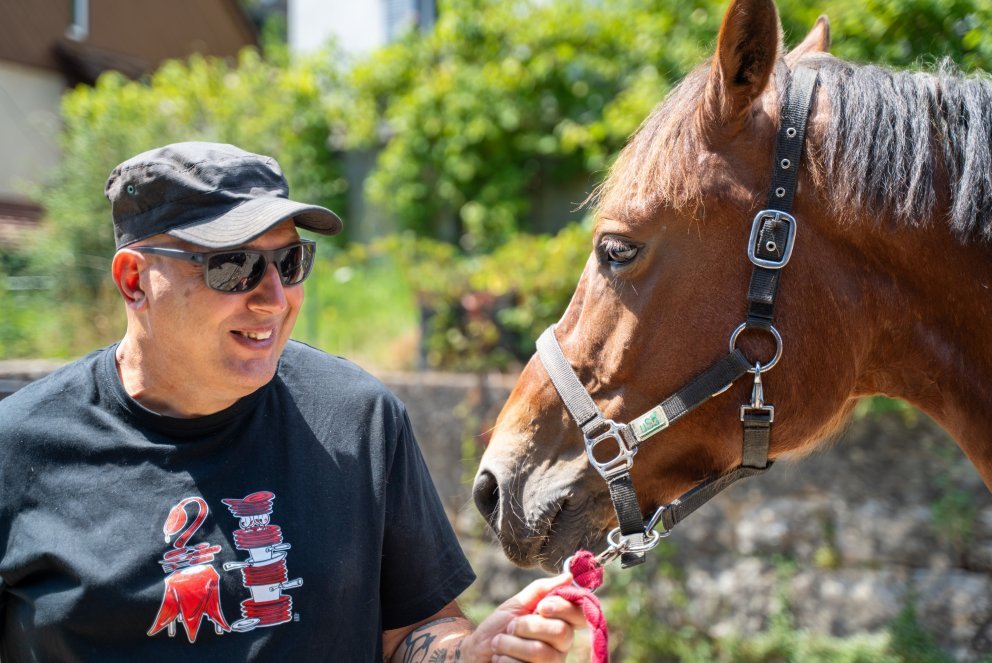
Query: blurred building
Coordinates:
[47,46]
[357,27]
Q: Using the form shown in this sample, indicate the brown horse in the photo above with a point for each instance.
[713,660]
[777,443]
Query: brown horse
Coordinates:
[888,290]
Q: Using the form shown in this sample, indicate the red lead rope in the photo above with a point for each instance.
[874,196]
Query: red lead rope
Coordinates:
[588,575]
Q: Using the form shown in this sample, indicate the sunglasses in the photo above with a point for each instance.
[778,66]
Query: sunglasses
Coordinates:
[241,270]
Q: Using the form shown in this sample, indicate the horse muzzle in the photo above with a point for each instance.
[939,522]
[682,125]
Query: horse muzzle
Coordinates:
[541,517]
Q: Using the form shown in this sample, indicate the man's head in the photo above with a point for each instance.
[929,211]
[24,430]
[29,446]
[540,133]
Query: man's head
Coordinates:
[210,194]
[211,295]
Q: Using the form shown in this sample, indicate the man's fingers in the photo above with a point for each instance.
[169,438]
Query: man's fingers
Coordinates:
[509,647]
[527,599]
[554,632]
[556,607]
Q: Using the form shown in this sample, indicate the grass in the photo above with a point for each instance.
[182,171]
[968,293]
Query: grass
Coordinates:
[366,313]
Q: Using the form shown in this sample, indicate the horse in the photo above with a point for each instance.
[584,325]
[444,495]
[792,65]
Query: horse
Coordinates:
[886,291]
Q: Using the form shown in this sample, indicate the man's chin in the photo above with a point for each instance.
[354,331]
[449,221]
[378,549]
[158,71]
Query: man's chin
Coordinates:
[250,376]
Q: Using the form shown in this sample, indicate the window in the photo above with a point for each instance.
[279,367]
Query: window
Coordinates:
[401,15]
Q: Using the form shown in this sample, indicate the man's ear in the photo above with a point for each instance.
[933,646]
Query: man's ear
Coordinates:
[817,41]
[127,269]
[746,52]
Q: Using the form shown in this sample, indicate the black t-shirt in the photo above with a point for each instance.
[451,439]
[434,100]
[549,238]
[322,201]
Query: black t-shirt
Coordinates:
[295,525]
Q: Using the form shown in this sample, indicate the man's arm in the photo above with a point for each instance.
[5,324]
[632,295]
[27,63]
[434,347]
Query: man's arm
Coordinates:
[531,626]
[435,639]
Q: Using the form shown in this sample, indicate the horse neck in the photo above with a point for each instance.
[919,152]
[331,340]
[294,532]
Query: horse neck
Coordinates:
[931,347]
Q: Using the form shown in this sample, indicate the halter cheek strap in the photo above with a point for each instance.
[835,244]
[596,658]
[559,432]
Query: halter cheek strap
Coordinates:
[770,244]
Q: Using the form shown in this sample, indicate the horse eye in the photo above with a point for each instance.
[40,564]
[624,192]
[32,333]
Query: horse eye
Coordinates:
[617,252]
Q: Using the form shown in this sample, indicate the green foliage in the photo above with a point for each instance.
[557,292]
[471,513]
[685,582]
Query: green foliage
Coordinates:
[882,404]
[900,32]
[504,98]
[481,312]
[362,309]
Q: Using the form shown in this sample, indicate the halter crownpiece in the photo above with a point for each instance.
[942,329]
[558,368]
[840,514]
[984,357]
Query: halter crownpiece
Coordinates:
[772,238]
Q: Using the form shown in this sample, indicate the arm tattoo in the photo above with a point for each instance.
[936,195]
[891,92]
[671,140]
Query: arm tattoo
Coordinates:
[441,655]
[418,645]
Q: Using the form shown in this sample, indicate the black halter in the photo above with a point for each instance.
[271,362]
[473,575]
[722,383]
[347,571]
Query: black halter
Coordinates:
[773,234]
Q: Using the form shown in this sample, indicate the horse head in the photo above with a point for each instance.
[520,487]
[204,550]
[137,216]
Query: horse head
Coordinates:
[667,281]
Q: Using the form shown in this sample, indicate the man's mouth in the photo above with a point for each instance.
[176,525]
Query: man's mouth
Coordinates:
[255,335]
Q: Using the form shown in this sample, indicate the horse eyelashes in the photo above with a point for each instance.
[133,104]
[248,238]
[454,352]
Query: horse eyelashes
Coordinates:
[617,252]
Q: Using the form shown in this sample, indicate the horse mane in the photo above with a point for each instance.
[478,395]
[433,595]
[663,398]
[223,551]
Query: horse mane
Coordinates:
[893,137]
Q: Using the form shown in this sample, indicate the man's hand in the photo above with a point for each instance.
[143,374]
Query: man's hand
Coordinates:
[531,627]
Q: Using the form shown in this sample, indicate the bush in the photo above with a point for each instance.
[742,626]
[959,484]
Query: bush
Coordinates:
[481,312]
[503,99]
[901,33]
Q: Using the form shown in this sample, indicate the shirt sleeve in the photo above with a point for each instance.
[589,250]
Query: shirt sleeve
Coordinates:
[423,566]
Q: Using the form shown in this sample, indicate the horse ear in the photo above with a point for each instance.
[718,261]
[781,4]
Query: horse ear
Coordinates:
[746,51]
[817,41]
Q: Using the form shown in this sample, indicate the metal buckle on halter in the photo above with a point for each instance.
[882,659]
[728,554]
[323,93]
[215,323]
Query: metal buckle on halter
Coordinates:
[624,459]
[790,240]
[757,405]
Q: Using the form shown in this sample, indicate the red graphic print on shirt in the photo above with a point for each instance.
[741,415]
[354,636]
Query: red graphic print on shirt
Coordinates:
[264,573]
[192,586]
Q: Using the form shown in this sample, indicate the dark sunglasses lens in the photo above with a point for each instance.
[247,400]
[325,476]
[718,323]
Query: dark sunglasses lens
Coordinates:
[237,271]
[295,263]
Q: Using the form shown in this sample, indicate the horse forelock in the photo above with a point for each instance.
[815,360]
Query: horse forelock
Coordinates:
[658,167]
[895,136]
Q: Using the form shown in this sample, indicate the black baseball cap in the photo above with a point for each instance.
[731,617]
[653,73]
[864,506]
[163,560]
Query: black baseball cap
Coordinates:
[211,194]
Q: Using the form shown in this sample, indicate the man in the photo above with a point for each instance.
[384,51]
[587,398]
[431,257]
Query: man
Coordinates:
[207,489]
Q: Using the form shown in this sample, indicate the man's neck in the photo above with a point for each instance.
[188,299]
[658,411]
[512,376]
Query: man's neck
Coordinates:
[183,401]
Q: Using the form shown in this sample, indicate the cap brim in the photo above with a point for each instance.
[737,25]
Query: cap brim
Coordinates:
[243,223]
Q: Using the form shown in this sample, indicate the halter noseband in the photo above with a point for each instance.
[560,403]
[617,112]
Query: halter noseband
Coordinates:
[773,234]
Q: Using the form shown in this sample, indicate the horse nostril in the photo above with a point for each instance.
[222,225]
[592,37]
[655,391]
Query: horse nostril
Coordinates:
[485,492]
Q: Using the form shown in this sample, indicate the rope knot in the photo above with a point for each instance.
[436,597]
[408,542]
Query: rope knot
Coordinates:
[585,571]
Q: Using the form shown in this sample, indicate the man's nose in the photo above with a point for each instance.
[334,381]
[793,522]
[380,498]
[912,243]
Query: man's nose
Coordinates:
[270,294]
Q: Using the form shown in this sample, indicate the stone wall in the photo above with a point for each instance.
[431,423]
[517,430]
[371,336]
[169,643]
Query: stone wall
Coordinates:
[887,516]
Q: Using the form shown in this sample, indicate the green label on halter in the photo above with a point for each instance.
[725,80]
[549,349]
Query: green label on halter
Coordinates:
[649,423]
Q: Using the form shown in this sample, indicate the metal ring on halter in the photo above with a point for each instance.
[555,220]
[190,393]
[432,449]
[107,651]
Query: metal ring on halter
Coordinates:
[778,345]
[655,519]
[567,566]
[651,540]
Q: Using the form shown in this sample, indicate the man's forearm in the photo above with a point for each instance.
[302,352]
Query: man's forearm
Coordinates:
[434,642]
